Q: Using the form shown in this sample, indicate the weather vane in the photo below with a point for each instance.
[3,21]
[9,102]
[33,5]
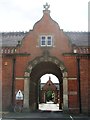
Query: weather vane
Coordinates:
[47,6]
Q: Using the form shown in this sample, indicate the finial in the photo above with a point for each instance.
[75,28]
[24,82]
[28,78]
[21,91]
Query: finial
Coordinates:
[49,78]
[47,6]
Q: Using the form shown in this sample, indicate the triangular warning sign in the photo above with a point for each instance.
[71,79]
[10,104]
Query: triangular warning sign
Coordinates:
[19,95]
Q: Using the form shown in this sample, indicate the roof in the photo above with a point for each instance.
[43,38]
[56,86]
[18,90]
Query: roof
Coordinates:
[10,39]
[56,84]
[79,38]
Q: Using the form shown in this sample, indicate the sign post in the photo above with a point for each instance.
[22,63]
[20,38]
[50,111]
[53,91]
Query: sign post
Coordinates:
[19,100]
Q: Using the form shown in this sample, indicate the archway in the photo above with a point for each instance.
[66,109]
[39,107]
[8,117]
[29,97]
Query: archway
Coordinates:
[38,68]
[49,93]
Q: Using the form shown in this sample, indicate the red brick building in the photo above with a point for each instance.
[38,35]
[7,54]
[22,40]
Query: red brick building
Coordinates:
[53,88]
[46,49]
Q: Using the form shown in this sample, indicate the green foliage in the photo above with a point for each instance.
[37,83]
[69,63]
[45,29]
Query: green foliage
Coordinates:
[49,95]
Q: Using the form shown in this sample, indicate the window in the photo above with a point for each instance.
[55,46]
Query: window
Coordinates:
[46,41]
[49,41]
[43,41]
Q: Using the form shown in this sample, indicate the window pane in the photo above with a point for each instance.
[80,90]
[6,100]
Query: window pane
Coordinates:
[49,41]
[46,40]
[43,41]
[43,38]
[49,38]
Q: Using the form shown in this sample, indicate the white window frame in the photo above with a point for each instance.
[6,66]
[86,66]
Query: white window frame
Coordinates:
[51,41]
[42,40]
[46,41]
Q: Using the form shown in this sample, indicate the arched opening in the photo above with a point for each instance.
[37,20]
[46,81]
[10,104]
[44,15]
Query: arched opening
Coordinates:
[49,93]
[37,72]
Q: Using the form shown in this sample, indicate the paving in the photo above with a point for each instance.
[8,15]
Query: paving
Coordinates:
[44,115]
[49,106]
[47,111]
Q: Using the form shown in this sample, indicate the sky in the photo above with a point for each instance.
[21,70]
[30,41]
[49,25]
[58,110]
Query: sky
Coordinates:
[45,78]
[21,15]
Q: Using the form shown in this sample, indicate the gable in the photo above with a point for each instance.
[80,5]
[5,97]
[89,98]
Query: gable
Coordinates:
[49,86]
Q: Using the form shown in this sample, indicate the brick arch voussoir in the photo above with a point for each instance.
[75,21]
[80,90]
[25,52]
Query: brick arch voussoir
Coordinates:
[38,60]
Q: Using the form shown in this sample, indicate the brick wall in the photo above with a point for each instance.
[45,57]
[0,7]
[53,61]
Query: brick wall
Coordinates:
[31,44]
[88,86]
[71,64]
[6,83]
[84,83]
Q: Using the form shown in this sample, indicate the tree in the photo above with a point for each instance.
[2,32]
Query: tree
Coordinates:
[49,95]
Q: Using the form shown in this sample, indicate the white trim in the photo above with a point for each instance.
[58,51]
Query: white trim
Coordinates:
[19,78]
[2,50]
[9,51]
[46,41]
[72,93]
[75,51]
[41,40]
[72,78]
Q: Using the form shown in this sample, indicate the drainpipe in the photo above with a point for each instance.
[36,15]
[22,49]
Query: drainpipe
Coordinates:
[13,75]
[79,86]
[13,81]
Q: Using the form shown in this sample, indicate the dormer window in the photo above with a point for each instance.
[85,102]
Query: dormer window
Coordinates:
[46,40]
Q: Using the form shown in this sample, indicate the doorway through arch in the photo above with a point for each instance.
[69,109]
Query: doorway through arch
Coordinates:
[32,82]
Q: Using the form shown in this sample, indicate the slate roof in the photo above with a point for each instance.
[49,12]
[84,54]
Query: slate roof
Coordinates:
[79,38]
[10,39]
